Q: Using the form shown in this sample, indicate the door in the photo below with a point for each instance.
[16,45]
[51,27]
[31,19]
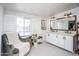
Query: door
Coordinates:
[69,43]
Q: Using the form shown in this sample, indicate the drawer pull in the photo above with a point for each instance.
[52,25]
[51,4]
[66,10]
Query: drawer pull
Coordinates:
[48,34]
[64,38]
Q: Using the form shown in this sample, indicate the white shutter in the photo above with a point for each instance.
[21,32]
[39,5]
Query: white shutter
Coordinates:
[10,23]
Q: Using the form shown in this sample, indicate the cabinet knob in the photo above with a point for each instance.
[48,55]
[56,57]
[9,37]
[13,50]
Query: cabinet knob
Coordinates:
[48,34]
[64,38]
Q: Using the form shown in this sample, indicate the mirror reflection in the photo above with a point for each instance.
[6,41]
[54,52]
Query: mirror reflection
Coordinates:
[63,24]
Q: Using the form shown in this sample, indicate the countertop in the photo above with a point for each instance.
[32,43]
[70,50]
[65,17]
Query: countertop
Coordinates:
[73,33]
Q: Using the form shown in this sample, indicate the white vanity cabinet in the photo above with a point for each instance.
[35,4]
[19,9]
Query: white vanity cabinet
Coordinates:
[63,41]
[48,38]
[51,38]
[60,41]
[54,38]
[68,43]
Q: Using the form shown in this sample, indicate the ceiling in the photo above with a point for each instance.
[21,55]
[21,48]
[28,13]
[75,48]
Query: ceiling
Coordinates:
[40,9]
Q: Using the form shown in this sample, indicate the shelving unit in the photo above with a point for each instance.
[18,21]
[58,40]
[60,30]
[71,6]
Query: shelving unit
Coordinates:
[77,36]
[77,30]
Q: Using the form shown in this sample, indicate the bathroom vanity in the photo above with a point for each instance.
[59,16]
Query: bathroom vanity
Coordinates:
[63,40]
[63,33]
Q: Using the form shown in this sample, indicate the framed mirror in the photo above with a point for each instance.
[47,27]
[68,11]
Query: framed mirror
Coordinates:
[52,24]
[43,24]
[63,24]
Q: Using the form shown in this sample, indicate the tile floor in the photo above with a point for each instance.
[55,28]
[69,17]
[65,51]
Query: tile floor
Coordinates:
[46,49]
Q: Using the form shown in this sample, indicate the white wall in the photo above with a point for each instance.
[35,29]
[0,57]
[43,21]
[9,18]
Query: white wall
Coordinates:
[1,24]
[20,14]
[74,11]
[36,27]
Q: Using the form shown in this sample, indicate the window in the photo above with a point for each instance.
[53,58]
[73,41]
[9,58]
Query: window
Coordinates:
[23,26]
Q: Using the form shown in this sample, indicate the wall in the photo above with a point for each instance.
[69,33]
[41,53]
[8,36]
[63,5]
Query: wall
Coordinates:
[20,14]
[74,11]
[36,27]
[1,24]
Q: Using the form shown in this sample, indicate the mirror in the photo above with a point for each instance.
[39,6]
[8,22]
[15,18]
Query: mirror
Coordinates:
[71,25]
[57,24]
[52,24]
[63,24]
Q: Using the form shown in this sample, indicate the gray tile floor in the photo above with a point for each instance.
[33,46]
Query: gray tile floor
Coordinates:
[46,49]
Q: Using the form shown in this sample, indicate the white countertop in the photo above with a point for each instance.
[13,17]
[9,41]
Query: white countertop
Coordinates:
[64,33]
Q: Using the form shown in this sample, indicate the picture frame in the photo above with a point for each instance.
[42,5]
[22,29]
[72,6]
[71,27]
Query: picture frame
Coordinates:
[43,24]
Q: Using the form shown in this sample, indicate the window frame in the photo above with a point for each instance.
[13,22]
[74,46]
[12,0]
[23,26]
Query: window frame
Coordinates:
[24,27]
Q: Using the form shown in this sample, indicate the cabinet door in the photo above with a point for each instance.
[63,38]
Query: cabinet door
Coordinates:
[69,43]
[54,39]
[60,41]
[49,39]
